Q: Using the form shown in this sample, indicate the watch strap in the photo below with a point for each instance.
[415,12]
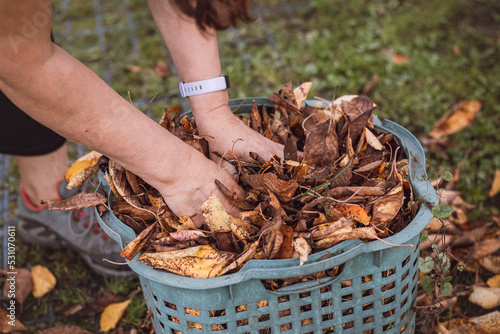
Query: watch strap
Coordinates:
[203,86]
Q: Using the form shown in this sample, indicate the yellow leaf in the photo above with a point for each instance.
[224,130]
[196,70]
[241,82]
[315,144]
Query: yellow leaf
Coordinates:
[460,116]
[494,281]
[82,169]
[43,281]
[199,262]
[111,315]
[215,215]
[495,186]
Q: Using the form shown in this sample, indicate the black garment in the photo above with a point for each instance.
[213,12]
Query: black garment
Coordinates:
[22,135]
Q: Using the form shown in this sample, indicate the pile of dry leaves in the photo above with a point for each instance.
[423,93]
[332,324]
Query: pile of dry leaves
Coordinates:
[341,178]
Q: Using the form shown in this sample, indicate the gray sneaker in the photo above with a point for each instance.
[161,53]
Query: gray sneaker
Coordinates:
[77,230]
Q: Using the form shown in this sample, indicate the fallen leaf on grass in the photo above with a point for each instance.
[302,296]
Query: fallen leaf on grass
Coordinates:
[491,263]
[399,59]
[485,324]
[6,324]
[112,315]
[488,323]
[23,285]
[162,70]
[485,297]
[43,281]
[66,329]
[82,169]
[495,186]
[494,281]
[459,117]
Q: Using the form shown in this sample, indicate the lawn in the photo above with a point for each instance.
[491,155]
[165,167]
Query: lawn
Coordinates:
[415,59]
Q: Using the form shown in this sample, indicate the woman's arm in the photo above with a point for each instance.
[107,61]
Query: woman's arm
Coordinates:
[63,94]
[196,56]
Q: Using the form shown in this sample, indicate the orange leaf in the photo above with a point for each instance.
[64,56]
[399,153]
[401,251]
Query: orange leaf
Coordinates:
[399,59]
[357,212]
[495,186]
[459,117]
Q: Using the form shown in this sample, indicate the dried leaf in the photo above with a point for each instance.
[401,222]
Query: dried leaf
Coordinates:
[112,315]
[322,147]
[369,233]
[388,206]
[491,263]
[399,59]
[21,285]
[79,201]
[494,281]
[215,215]
[136,245]
[9,322]
[495,185]
[483,249]
[356,212]
[82,169]
[301,93]
[323,231]
[485,297]
[269,182]
[233,198]
[286,249]
[243,258]
[286,101]
[187,235]
[488,323]
[372,140]
[43,281]
[255,118]
[118,176]
[459,117]
[301,246]
[162,70]
[199,262]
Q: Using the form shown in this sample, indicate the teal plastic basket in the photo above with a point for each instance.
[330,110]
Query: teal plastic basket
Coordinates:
[374,293]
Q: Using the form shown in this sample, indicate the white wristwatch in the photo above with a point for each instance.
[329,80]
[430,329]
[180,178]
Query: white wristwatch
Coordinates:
[204,86]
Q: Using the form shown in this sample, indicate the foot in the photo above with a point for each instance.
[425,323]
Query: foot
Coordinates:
[77,230]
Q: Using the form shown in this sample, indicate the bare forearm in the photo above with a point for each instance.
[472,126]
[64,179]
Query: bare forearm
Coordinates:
[67,97]
[195,53]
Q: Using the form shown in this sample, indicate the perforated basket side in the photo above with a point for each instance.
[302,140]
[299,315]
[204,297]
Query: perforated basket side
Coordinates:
[374,293]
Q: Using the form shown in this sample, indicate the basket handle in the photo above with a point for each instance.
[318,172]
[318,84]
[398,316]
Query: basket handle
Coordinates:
[340,254]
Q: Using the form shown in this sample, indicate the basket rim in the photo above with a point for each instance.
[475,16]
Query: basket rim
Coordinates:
[342,252]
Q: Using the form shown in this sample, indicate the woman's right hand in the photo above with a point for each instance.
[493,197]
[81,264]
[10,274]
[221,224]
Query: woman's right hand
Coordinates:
[193,183]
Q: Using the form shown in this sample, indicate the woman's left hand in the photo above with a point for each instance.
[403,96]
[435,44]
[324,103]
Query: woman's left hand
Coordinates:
[228,135]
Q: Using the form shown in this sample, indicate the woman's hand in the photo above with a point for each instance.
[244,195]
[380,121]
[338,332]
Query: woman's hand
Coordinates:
[228,135]
[194,182]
